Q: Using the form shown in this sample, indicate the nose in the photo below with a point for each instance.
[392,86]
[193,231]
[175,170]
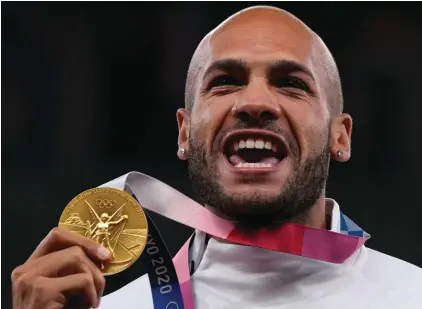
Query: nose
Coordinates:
[257,105]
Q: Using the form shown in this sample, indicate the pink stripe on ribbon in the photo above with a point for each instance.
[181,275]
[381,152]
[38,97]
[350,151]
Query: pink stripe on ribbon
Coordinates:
[330,246]
[181,264]
[287,238]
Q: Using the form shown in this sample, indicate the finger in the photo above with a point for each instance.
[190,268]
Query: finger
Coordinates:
[54,305]
[59,239]
[41,294]
[98,276]
[76,284]
[66,262]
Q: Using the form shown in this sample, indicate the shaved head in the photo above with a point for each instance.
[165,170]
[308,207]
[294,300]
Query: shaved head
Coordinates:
[262,119]
[322,57]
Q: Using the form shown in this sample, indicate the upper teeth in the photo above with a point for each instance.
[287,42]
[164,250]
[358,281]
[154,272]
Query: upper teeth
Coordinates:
[254,143]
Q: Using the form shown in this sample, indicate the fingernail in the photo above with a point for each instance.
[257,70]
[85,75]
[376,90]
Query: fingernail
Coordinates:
[103,253]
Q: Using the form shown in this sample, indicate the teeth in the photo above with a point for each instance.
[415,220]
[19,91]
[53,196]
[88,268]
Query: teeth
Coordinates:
[258,144]
[250,143]
[253,165]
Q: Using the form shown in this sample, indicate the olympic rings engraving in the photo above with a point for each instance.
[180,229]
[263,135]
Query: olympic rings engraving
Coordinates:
[105,203]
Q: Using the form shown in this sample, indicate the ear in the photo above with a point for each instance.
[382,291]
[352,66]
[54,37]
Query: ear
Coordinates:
[341,135]
[183,139]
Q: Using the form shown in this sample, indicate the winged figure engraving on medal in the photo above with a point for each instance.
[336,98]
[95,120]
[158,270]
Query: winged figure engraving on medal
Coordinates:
[109,231]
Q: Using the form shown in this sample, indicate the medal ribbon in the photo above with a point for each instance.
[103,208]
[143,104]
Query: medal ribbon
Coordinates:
[290,238]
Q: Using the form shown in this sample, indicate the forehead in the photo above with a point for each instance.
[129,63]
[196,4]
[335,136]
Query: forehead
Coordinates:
[261,39]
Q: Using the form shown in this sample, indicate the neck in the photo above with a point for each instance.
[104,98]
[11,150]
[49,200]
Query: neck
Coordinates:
[317,216]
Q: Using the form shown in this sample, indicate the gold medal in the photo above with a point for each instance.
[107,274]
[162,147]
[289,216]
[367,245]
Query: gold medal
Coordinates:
[112,218]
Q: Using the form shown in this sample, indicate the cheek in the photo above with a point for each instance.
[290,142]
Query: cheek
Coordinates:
[200,121]
[316,137]
[201,117]
[208,118]
[311,126]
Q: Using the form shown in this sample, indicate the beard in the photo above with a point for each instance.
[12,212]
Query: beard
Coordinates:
[302,189]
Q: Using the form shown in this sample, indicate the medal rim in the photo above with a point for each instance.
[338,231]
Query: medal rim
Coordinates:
[115,191]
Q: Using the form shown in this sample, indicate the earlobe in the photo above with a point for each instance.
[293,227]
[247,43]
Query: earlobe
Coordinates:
[181,153]
[341,133]
[183,139]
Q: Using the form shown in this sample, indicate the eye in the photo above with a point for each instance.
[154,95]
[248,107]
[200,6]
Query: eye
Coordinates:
[225,80]
[291,82]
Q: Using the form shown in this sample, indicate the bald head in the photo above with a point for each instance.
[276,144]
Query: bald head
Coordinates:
[260,77]
[269,21]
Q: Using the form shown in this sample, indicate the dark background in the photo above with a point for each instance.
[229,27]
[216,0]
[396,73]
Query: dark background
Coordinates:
[90,91]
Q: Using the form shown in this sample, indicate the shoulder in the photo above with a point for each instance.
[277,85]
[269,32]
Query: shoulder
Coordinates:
[135,295]
[392,267]
[391,274]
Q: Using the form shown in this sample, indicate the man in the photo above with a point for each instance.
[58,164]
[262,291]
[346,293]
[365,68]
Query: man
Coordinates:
[263,118]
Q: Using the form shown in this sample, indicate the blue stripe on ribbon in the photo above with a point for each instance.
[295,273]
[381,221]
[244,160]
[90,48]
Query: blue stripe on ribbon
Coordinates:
[165,288]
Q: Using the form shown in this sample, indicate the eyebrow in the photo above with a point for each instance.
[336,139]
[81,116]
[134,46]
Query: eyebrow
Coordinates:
[285,66]
[289,67]
[227,65]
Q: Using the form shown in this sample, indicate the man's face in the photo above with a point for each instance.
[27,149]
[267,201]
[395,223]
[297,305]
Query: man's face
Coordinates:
[258,136]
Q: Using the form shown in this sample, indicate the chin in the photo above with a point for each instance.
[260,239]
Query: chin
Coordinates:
[243,187]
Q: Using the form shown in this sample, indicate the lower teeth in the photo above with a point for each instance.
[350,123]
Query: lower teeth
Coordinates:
[252,165]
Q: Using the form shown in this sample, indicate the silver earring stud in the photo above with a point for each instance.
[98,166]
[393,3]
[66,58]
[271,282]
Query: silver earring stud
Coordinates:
[182,151]
[339,153]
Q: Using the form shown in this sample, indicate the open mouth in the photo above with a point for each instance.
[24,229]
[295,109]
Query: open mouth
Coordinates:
[254,149]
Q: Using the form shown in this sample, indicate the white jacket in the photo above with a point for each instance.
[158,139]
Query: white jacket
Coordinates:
[234,276]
